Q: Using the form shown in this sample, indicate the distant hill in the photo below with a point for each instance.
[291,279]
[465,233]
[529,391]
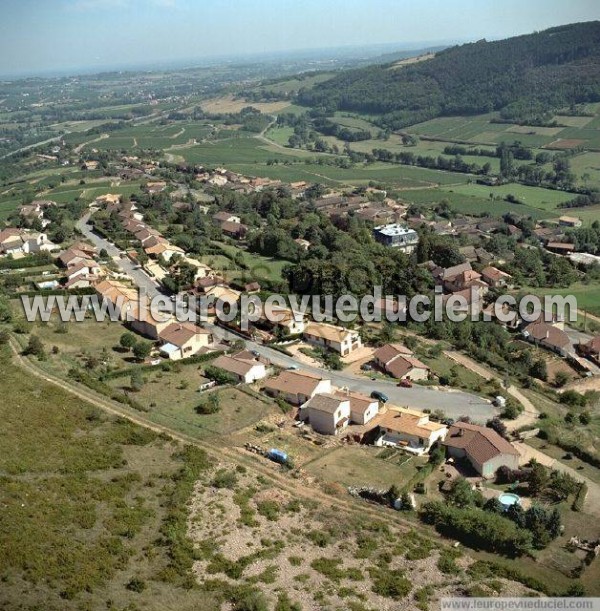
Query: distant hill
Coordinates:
[522,77]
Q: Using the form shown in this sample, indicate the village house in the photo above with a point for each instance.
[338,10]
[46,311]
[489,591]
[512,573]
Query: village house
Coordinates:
[234,230]
[341,340]
[399,362]
[244,366]
[561,248]
[164,249]
[144,233]
[495,277]
[203,285]
[482,447]
[223,293]
[326,413]
[389,352]
[226,217]
[15,241]
[409,429]
[362,408]
[465,280]
[446,276]
[251,288]
[145,322]
[108,198]
[466,302]
[35,211]
[297,387]
[121,297]
[182,340]
[548,336]
[304,244]
[274,317]
[217,180]
[85,269]
[156,186]
[10,240]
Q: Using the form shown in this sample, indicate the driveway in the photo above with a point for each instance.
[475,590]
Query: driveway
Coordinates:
[528,416]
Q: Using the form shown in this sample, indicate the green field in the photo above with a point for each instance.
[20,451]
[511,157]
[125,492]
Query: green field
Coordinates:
[480,129]
[587,168]
[258,266]
[544,199]
[292,85]
[470,204]
[587,295]
[8,206]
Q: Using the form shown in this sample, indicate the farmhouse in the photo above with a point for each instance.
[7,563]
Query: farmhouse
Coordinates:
[327,414]
[409,429]
[342,340]
[181,340]
[234,230]
[561,248]
[297,387]
[570,221]
[482,447]
[245,369]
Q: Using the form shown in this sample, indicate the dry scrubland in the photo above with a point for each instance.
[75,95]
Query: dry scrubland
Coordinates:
[247,531]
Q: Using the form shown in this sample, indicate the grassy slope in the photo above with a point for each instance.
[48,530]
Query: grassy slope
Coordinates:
[83,498]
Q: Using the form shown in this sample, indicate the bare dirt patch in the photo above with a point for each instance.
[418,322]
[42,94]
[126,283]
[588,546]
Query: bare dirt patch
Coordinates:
[228,104]
[567,143]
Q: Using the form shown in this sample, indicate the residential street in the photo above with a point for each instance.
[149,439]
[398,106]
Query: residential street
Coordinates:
[454,403]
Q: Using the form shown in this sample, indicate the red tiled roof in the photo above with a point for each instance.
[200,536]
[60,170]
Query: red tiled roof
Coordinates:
[479,442]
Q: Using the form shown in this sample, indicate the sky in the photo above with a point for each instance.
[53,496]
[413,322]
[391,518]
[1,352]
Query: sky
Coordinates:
[38,36]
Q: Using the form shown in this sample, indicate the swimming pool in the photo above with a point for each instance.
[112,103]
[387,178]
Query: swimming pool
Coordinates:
[508,499]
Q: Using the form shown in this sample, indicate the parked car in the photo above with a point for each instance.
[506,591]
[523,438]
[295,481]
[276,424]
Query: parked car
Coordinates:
[293,368]
[366,367]
[376,394]
[405,384]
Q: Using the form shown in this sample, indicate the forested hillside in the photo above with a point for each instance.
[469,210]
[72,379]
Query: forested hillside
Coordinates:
[524,77]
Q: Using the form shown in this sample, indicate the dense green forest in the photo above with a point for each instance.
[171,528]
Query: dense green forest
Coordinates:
[523,77]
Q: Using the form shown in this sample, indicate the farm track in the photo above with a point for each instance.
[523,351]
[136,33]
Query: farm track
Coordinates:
[80,147]
[218,452]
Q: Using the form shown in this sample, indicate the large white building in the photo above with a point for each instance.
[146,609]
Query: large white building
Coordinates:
[398,236]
